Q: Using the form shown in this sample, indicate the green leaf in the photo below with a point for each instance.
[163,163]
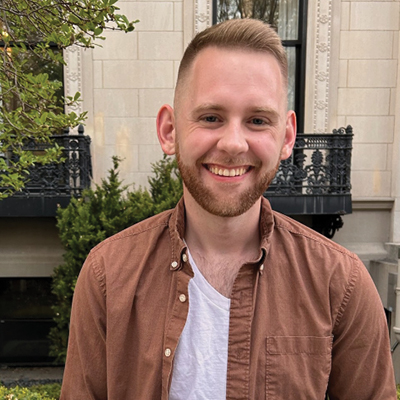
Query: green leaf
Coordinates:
[98,31]
[74,19]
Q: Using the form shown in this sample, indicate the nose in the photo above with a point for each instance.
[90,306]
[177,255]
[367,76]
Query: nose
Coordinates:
[232,139]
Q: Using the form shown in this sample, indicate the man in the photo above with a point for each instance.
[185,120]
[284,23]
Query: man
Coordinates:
[222,297]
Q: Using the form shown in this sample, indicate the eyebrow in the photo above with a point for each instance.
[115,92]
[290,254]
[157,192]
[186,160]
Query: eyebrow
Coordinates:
[208,107]
[267,110]
[218,107]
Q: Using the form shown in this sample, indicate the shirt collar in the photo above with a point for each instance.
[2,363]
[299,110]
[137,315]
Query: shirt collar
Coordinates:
[177,230]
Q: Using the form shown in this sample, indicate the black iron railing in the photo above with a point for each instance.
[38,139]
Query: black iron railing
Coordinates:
[315,180]
[52,185]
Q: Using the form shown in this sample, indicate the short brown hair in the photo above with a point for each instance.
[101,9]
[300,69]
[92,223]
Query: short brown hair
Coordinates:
[246,34]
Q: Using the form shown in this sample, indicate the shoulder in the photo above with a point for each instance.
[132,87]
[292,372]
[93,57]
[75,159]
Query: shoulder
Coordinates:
[123,256]
[125,250]
[295,232]
[314,258]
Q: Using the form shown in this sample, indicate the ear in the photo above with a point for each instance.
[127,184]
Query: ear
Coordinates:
[290,135]
[166,129]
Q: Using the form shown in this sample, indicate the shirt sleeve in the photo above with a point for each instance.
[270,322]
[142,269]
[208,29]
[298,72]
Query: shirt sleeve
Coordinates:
[361,360]
[85,375]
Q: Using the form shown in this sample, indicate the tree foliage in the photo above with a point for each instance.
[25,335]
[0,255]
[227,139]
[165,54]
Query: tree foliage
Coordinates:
[33,34]
[98,214]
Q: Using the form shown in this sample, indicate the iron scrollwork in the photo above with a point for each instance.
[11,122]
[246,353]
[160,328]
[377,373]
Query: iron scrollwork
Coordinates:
[320,164]
[64,179]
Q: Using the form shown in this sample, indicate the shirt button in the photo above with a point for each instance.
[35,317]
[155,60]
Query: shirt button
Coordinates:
[184,257]
[174,264]
[182,298]
[167,352]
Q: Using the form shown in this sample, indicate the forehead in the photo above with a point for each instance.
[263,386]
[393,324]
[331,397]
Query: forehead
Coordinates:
[215,70]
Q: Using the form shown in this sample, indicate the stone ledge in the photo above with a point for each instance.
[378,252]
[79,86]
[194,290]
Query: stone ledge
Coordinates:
[372,204]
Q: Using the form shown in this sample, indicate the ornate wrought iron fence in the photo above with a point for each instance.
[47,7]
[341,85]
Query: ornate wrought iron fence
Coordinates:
[316,178]
[67,178]
[53,184]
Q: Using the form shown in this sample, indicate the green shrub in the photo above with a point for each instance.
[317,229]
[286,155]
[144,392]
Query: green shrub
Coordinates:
[52,389]
[38,392]
[98,214]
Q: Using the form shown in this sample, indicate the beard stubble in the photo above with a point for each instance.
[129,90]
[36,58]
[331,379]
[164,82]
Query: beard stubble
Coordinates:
[214,204]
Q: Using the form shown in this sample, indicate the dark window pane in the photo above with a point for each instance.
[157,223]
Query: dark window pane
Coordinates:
[25,341]
[25,320]
[25,298]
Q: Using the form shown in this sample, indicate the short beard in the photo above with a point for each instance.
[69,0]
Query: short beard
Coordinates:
[217,206]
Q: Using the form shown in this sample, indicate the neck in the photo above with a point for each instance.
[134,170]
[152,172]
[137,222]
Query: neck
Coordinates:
[211,234]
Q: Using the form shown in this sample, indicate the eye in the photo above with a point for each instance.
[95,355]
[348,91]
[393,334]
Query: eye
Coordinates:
[258,121]
[210,118]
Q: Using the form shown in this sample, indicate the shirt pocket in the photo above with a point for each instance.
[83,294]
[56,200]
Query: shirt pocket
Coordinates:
[297,367]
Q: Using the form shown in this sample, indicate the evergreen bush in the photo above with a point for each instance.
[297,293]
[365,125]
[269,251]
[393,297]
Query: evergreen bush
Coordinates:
[39,392]
[98,214]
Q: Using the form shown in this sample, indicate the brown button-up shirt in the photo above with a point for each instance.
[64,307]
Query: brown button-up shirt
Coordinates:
[304,319]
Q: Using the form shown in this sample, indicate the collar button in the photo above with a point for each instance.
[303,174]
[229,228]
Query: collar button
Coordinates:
[174,265]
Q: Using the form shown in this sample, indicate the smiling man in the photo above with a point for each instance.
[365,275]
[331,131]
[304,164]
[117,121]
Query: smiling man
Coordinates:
[222,298]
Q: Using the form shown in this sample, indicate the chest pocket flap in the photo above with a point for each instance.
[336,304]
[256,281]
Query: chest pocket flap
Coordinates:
[297,367]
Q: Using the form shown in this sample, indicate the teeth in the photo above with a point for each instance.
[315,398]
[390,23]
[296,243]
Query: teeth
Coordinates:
[227,172]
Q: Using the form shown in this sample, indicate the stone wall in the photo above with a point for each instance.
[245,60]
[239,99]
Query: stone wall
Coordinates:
[366,91]
[126,81]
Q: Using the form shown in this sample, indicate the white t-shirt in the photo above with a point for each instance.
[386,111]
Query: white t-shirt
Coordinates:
[201,358]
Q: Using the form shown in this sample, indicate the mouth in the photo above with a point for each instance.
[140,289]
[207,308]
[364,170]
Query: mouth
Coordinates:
[224,171]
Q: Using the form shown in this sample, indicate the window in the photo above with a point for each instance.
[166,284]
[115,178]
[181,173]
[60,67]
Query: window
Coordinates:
[289,18]
[25,320]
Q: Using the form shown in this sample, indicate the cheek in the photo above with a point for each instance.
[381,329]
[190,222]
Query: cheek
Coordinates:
[267,153]
[190,150]
[196,144]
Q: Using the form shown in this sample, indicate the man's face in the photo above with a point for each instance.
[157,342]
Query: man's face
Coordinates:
[231,128]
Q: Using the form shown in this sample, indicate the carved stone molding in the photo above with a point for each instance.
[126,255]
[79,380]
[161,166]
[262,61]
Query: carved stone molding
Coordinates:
[322,65]
[202,15]
[73,76]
